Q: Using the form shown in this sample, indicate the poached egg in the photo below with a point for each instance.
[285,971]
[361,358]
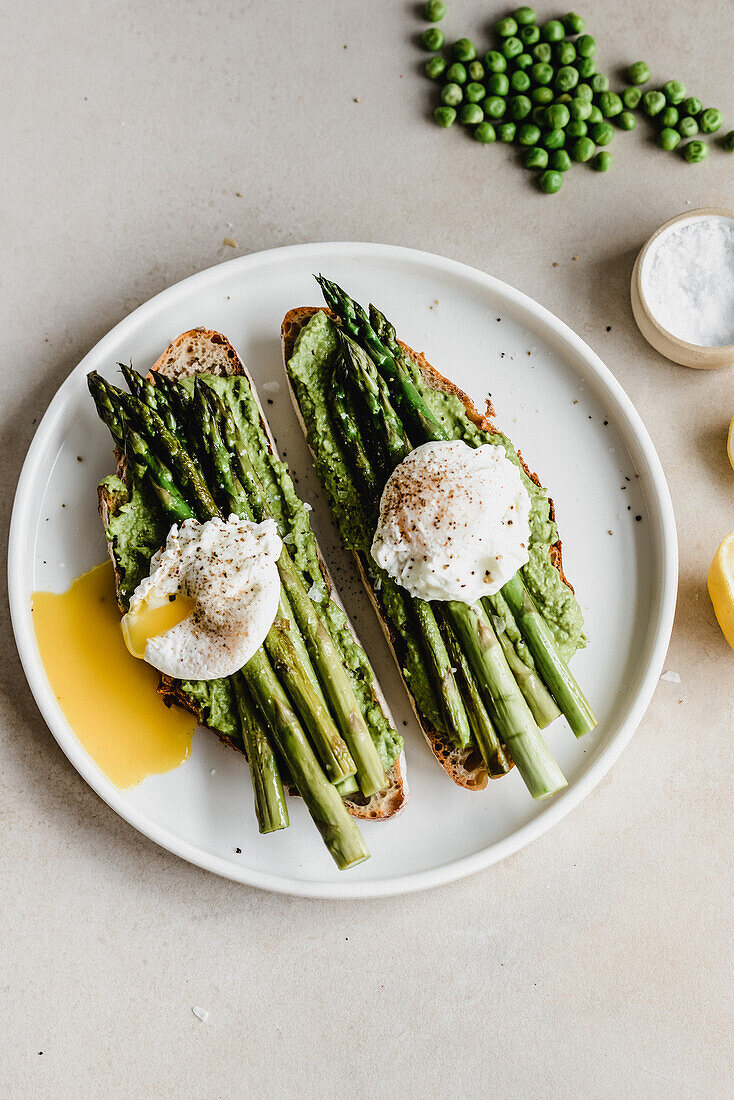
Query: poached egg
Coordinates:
[454,522]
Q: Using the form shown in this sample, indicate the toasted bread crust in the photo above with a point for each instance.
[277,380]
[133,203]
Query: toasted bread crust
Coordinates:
[465,767]
[203,350]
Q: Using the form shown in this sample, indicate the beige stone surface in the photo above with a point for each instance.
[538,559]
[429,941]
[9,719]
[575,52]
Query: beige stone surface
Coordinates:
[597,962]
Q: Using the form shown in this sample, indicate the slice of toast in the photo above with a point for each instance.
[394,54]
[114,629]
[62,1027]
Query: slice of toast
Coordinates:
[202,351]
[465,766]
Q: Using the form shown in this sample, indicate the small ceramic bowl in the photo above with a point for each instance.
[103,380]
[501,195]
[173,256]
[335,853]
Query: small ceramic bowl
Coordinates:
[672,347]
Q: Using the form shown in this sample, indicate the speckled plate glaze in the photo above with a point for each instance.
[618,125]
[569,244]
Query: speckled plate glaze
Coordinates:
[574,424]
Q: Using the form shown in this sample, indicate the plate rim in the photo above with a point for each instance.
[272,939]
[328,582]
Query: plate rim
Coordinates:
[666,582]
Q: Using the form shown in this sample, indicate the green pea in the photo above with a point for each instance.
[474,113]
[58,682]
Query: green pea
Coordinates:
[602,133]
[577,128]
[602,162]
[595,116]
[494,106]
[524,16]
[729,142]
[600,83]
[582,150]
[475,70]
[692,106]
[554,139]
[451,95]
[585,67]
[471,114]
[538,116]
[498,84]
[560,160]
[528,134]
[550,182]
[564,53]
[584,91]
[523,61]
[541,73]
[631,98]
[512,47]
[435,67]
[506,27]
[668,139]
[520,82]
[610,104]
[494,62]
[669,117]
[674,91]
[687,127]
[506,132]
[542,95]
[695,152]
[553,31]
[520,107]
[464,49]
[567,77]
[558,116]
[485,133]
[638,73]
[474,92]
[573,23]
[434,10]
[710,121]
[444,116]
[536,158]
[653,103]
[585,46]
[433,40]
[529,35]
[456,73]
[580,109]
[564,97]
[542,52]
[625,120]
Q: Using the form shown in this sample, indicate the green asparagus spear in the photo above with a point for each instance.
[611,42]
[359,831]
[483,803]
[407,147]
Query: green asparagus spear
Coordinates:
[270,804]
[539,699]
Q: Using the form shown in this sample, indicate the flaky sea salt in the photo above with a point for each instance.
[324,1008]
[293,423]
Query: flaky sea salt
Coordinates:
[200,1013]
[671,677]
[688,280]
[270,387]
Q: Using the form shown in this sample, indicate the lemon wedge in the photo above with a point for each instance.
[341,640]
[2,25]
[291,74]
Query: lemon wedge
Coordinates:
[721,585]
[730,442]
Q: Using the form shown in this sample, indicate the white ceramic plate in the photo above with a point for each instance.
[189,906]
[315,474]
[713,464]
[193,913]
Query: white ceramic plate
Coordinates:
[575,426]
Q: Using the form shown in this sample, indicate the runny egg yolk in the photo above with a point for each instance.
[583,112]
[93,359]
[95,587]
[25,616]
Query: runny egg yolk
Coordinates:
[152,617]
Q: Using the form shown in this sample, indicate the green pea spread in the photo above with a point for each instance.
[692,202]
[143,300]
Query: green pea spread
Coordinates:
[137,529]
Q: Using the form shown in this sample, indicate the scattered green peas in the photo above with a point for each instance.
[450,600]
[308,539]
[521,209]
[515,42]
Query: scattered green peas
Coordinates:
[456,73]
[585,46]
[485,133]
[692,105]
[560,160]
[602,133]
[474,92]
[610,104]
[668,139]
[577,128]
[475,70]
[602,162]
[512,47]
[674,91]
[542,95]
[573,23]
[538,116]
[541,73]
[528,134]
[579,109]
[564,53]
[524,16]
[600,83]
[506,27]
[435,66]
[520,107]
[520,81]
[434,11]
[433,40]
[687,127]
[653,103]
[542,52]
[585,67]
[451,95]
[584,91]
[558,116]
[638,73]
[582,150]
[536,158]
[523,61]
[471,114]
[567,77]
[710,120]
[695,152]
[554,139]
[494,106]
[626,120]
[631,98]
[494,62]
[506,132]
[729,142]
[444,116]
[553,31]
[550,182]
[464,49]
[498,84]
[529,35]
[595,116]
[669,117]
